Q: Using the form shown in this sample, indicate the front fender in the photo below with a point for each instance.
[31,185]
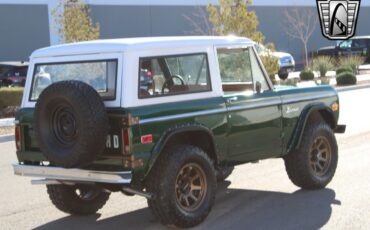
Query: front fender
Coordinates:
[322,108]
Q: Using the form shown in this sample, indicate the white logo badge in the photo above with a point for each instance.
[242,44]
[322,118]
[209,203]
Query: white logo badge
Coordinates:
[338,18]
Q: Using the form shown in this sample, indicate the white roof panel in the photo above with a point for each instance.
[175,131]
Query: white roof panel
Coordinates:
[127,44]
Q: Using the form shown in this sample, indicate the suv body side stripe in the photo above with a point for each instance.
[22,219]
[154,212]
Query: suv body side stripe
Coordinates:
[236,108]
[184,115]
[255,105]
[309,97]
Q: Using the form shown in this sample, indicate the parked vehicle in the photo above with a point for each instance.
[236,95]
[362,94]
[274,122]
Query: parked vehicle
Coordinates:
[354,46]
[14,76]
[286,60]
[165,118]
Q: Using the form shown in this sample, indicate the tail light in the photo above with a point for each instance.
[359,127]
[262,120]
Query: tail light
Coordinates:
[126,141]
[18,137]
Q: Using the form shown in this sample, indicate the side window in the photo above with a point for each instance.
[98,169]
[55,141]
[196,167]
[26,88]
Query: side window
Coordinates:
[240,71]
[171,75]
[235,70]
[258,74]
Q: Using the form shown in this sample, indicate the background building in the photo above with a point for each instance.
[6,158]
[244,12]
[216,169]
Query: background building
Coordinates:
[26,25]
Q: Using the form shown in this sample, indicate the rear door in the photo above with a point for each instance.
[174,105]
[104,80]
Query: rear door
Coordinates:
[254,115]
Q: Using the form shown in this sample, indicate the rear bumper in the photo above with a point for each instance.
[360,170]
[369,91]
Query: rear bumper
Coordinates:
[340,129]
[73,175]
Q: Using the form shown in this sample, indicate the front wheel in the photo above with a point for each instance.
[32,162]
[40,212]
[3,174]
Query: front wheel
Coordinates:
[78,199]
[313,165]
[183,184]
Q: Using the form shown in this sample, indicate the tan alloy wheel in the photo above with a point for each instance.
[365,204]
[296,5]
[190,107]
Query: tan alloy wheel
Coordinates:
[320,156]
[191,187]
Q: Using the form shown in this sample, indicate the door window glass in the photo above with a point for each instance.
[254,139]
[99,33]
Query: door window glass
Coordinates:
[240,71]
[235,70]
[258,74]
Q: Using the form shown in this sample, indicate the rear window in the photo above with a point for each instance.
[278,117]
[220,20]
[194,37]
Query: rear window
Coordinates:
[173,75]
[101,75]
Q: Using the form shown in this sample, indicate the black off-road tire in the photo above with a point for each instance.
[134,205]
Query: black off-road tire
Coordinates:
[297,162]
[71,124]
[223,173]
[162,182]
[65,198]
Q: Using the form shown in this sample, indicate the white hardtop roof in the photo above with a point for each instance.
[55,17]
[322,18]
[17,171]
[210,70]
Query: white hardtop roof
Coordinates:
[127,44]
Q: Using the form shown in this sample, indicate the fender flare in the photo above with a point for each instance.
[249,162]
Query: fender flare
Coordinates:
[172,132]
[295,140]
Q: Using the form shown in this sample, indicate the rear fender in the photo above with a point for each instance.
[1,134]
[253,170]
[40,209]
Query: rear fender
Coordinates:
[170,135]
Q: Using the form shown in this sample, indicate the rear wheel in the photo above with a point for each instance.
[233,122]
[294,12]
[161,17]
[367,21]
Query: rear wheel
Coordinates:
[313,164]
[183,184]
[78,199]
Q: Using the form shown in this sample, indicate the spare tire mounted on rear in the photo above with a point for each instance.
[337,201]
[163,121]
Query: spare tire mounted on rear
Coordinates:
[71,124]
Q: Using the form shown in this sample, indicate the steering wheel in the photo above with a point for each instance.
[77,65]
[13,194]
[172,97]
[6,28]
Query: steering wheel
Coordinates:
[169,82]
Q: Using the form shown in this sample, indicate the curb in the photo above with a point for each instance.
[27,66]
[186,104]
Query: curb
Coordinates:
[7,122]
[349,88]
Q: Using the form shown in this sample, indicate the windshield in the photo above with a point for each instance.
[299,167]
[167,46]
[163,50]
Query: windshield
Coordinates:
[101,75]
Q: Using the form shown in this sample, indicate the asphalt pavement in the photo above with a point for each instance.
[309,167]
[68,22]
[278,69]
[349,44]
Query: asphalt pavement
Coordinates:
[255,196]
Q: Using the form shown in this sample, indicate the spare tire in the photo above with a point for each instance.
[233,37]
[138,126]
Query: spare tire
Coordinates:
[71,124]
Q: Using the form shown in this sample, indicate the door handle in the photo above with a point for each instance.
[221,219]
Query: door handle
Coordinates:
[231,99]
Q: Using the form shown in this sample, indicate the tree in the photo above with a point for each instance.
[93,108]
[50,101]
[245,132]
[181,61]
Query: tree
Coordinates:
[199,22]
[75,24]
[271,64]
[300,24]
[233,17]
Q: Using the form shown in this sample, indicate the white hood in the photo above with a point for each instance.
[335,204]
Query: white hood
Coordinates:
[281,54]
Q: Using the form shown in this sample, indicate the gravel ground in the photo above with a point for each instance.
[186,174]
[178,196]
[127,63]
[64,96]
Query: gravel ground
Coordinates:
[6,130]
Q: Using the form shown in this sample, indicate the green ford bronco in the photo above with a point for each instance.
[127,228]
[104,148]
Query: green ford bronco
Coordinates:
[165,118]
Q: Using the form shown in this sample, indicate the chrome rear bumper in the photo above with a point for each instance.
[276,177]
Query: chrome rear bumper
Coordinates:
[73,175]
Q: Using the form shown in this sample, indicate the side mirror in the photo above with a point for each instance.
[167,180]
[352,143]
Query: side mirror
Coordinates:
[258,87]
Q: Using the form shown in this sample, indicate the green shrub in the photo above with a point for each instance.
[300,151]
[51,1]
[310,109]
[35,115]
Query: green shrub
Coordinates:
[352,61]
[10,97]
[346,78]
[322,64]
[344,69]
[271,65]
[307,75]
